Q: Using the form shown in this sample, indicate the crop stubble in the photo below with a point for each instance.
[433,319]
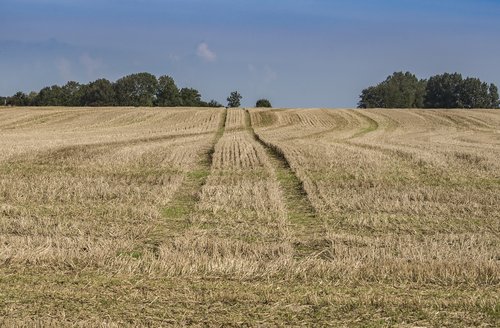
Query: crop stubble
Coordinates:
[344,217]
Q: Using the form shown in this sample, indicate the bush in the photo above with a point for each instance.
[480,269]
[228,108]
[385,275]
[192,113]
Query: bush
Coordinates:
[263,103]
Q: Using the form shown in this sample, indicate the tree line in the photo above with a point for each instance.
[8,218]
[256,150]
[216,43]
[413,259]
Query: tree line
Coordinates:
[140,89]
[405,90]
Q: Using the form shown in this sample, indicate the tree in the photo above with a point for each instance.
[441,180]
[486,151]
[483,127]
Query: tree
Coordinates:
[98,93]
[167,93]
[472,93]
[141,89]
[443,91]
[494,99]
[50,96]
[400,90]
[19,99]
[190,97]
[234,99]
[214,103]
[31,98]
[136,90]
[71,93]
[453,91]
[371,97]
[263,103]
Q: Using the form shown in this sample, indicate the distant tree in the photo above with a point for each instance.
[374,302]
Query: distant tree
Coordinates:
[190,97]
[71,93]
[234,99]
[32,98]
[98,93]
[136,90]
[50,96]
[453,91]
[19,99]
[141,89]
[214,103]
[372,97]
[472,93]
[400,90]
[443,91]
[263,103]
[494,99]
[167,93]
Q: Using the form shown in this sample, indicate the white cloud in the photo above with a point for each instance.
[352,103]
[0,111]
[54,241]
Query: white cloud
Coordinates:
[205,53]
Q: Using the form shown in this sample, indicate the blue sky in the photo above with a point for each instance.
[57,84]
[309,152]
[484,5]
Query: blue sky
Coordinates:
[297,53]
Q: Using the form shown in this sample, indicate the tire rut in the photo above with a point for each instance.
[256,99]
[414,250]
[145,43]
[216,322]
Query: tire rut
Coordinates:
[177,214]
[301,213]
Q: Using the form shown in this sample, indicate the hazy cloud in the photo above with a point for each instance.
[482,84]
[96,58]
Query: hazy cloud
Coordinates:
[205,53]
[269,74]
[262,74]
[63,67]
[90,64]
[310,47]
[174,57]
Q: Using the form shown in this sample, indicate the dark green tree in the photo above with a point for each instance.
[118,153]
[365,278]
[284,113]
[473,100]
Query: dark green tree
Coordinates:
[234,99]
[71,93]
[98,93]
[32,98]
[400,90]
[136,90]
[3,101]
[214,103]
[190,97]
[50,96]
[167,93]
[371,97]
[142,89]
[472,93]
[19,99]
[263,103]
[494,99]
[443,91]
[453,91]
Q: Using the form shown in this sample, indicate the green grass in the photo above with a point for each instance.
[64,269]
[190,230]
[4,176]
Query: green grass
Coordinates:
[133,254]
[199,176]
[187,195]
[130,300]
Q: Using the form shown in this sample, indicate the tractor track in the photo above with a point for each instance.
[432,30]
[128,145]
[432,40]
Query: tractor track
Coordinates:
[301,213]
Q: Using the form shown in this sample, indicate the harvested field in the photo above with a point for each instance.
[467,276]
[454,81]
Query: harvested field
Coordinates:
[210,217]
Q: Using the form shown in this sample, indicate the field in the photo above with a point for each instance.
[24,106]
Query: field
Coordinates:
[212,217]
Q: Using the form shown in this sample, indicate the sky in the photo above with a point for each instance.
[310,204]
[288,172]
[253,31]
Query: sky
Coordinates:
[296,53]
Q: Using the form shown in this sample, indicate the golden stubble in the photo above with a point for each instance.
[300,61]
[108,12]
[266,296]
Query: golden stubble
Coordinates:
[370,199]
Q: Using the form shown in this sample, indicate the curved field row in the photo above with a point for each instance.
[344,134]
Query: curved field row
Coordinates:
[239,227]
[32,129]
[235,120]
[87,119]
[110,216]
[410,195]
[237,153]
[65,201]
